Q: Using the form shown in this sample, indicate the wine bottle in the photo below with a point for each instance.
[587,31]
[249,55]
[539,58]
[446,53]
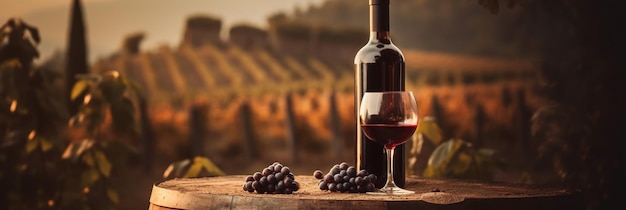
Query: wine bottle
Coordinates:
[379,67]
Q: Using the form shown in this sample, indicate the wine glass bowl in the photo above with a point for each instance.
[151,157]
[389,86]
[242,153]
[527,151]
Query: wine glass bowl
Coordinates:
[389,119]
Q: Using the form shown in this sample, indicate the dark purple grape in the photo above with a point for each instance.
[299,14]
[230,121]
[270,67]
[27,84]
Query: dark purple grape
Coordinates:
[332,187]
[362,173]
[329,178]
[263,181]
[249,178]
[277,168]
[260,190]
[352,180]
[295,186]
[271,188]
[323,185]
[267,171]
[343,173]
[249,187]
[372,177]
[338,178]
[358,180]
[346,186]
[334,170]
[280,186]
[288,191]
[290,175]
[288,181]
[352,188]
[271,179]
[343,166]
[279,176]
[351,171]
[346,178]
[340,187]
[256,185]
[318,174]
[285,170]
[371,187]
[257,176]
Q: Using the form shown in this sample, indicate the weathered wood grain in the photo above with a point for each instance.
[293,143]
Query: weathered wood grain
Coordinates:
[226,192]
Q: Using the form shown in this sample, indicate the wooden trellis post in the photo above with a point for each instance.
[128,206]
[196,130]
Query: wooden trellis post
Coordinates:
[245,118]
[479,125]
[335,126]
[147,136]
[198,123]
[290,125]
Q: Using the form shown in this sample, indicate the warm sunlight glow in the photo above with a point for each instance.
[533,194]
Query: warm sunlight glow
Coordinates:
[87,99]
[31,135]
[13,105]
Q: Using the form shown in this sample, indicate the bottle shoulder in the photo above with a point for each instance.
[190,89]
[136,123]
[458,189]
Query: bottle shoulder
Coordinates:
[376,51]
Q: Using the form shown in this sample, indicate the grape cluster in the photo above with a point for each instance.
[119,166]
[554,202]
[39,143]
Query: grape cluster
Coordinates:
[344,178]
[276,178]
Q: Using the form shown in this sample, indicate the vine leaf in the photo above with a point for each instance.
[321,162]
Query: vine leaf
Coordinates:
[113,196]
[79,87]
[202,166]
[103,164]
[430,129]
[441,157]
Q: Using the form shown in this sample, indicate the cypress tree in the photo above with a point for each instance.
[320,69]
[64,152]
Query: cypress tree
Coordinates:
[76,62]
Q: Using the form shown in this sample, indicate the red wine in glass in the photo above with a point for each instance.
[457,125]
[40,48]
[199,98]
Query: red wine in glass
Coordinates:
[388,118]
[388,135]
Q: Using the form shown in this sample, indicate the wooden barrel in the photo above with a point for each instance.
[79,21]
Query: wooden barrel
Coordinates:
[226,192]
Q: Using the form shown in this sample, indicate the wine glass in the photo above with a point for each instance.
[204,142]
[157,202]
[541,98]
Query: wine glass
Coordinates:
[389,118]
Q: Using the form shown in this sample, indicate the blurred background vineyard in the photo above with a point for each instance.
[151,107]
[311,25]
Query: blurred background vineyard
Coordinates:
[245,95]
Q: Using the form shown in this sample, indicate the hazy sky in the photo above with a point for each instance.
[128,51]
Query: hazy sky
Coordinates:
[109,21]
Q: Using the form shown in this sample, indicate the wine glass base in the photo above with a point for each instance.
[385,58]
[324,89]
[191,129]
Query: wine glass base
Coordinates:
[391,191]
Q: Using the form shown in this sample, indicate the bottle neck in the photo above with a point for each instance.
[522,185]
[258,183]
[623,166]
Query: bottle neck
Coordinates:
[379,22]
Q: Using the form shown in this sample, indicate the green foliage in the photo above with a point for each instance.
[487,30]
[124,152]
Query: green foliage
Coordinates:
[454,158]
[44,164]
[198,167]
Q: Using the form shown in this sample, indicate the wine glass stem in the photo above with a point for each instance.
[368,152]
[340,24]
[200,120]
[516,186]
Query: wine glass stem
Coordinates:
[390,183]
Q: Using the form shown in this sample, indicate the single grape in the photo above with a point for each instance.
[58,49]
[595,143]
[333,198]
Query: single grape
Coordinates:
[271,188]
[351,171]
[280,186]
[338,178]
[257,176]
[362,173]
[323,185]
[285,170]
[372,177]
[343,173]
[346,178]
[288,191]
[267,171]
[318,174]
[346,186]
[343,166]
[334,170]
[358,180]
[340,187]
[332,187]
[271,179]
[279,176]
[288,181]
[329,178]
[277,168]
[371,187]
[352,181]
[256,185]
[263,181]
[249,187]
[295,186]
[290,175]
[249,178]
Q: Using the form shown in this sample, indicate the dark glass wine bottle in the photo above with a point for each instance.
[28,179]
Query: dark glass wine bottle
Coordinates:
[379,67]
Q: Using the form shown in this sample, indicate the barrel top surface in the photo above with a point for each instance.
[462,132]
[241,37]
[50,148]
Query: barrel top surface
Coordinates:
[176,192]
